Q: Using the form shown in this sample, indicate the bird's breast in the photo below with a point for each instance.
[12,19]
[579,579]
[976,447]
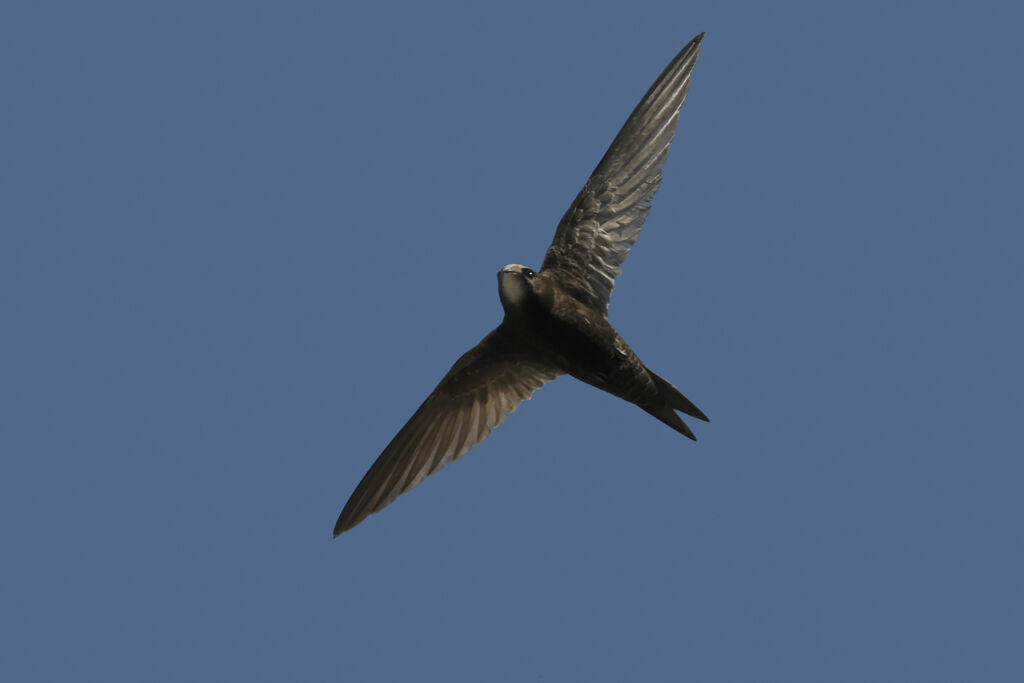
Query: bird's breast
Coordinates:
[580,338]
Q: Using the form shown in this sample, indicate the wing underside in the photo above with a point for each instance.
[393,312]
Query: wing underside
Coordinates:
[482,389]
[595,235]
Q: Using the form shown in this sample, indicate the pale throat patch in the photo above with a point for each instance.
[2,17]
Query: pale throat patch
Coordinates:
[512,288]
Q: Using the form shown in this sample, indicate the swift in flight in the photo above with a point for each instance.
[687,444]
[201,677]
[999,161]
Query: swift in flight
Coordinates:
[555,319]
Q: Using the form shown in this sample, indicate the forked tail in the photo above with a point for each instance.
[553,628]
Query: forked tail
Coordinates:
[673,400]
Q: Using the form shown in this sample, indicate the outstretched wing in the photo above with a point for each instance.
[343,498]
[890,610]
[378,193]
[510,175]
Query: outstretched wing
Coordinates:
[595,234]
[483,387]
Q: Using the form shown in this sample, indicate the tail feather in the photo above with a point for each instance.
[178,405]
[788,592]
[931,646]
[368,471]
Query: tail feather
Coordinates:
[675,399]
[672,419]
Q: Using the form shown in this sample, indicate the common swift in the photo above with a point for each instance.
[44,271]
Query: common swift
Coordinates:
[555,319]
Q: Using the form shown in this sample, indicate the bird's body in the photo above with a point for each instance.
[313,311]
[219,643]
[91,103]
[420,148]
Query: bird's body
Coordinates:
[579,341]
[556,320]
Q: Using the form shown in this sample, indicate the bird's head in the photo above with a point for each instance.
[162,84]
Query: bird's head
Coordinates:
[515,282]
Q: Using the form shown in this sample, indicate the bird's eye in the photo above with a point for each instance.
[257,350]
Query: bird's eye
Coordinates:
[528,273]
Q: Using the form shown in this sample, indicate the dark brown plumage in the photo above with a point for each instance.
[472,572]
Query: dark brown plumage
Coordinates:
[555,320]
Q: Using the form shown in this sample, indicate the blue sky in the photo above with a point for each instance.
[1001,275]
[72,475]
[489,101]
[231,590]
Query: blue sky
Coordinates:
[242,242]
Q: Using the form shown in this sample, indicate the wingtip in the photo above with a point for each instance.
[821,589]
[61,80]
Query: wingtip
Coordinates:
[340,527]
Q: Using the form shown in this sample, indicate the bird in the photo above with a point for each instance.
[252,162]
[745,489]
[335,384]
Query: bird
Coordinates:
[555,319]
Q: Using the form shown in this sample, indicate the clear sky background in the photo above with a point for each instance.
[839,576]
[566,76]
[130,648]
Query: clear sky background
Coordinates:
[240,243]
